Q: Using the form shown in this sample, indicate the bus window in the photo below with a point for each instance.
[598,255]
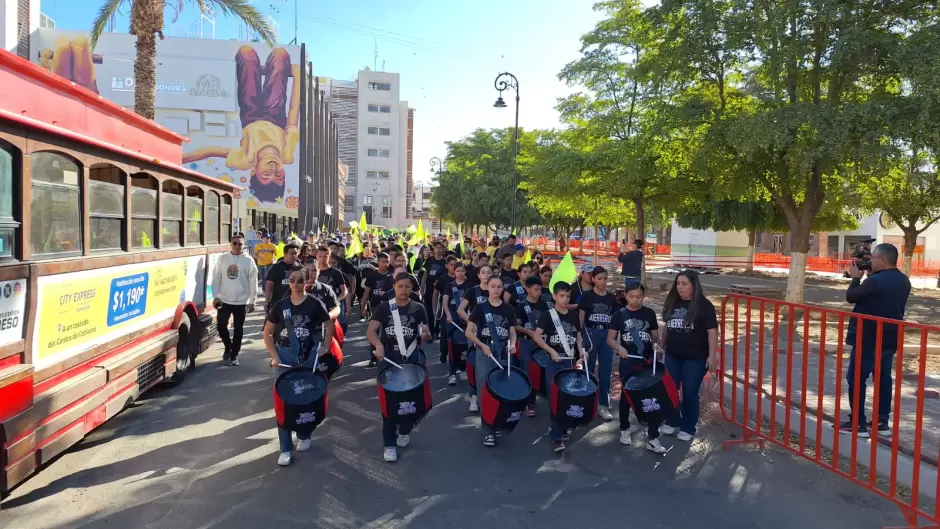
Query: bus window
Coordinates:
[213,235]
[194,214]
[143,211]
[172,221]
[55,205]
[226,217]
[106,195]
[9,163]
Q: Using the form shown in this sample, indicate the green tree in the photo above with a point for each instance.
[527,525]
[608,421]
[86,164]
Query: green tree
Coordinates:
[809,70]
[474,188]
[147,21]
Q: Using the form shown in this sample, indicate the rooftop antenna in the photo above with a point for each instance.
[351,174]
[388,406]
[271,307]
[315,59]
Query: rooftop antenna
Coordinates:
[383,65]
[207,18]
[375,65]
[294,42]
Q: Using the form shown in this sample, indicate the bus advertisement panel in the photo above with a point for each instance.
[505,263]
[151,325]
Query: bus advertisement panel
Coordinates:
[80,310]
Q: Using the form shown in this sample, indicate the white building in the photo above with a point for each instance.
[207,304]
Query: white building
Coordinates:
[376,144]
[421,200]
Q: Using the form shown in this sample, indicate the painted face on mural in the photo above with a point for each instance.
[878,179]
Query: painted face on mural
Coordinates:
[268,166]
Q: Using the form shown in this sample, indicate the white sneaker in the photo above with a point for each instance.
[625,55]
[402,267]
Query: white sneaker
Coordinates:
[626,438]
[234,362]
[463,375]
[474,404]
[390,454]
[653,445]
[668,430]
[283,459]
[452,380]
[303,445]
[684,436]
[403,441]
[604,413]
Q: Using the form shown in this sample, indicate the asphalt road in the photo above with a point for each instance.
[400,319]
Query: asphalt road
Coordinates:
[203,456]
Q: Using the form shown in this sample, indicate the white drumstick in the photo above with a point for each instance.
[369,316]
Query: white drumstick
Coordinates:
[391,362]
[493,358]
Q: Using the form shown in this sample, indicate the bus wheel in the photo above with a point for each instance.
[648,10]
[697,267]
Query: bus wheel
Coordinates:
[184,351]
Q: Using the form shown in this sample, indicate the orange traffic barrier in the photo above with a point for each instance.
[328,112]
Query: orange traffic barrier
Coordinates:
[786,370]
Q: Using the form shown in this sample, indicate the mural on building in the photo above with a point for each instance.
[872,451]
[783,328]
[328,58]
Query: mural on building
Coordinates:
[270,132]
[239,104]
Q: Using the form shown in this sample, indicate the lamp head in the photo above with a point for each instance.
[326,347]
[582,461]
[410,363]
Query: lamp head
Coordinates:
[499,103]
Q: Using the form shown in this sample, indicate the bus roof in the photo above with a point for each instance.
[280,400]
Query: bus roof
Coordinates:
[39,99]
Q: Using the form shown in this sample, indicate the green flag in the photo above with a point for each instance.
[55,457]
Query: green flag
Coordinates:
[566,272]
[411,264]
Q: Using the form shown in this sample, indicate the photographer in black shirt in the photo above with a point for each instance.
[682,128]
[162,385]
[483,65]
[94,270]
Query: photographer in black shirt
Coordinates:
[883,294]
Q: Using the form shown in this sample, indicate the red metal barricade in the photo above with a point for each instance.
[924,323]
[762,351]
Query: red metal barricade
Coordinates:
[783,368]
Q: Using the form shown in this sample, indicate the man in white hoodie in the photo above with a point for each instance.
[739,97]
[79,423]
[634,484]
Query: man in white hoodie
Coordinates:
[235,286]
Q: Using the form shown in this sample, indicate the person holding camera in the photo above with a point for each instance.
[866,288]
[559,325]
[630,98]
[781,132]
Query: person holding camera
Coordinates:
[235,287]
[883,294]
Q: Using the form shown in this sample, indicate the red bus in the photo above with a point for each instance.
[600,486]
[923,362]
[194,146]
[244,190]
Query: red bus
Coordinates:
[106,244]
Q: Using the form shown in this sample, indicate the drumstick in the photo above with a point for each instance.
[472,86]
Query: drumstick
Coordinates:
[457,326]
[393,363]
[493,358]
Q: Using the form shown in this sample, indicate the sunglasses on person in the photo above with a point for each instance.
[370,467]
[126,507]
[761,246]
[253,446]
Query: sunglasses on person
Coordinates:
[296,281]
[238,244]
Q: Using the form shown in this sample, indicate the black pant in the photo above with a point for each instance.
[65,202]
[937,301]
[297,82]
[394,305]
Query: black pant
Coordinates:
[232,346]
[867,366]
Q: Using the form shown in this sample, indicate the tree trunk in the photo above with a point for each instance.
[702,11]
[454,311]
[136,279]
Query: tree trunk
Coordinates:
[751,243]
[597,243]
[145,75]
[796,279]
[641,233]
[910,243]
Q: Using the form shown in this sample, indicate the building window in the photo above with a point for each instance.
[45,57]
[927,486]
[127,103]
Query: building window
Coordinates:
[143,210]
[377,174]
[194,212]
[9,175]
[380,153]
[375,85]
[226,218]
[106,194]
[367,200]
[386,212]
[172,222]
[213,233]
[55,205]
[380,131]
[386,201]
[381,109]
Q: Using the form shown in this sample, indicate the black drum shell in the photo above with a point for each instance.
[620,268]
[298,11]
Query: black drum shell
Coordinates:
[301,415]
[569,410]
[405,407]
[653,397]
[502,412]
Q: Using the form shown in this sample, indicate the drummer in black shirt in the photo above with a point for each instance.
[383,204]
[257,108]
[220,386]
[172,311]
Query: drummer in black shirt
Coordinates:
[635,321]
[584,283]
[546,274]
[437,310]
[595,309]
[563,352]
[451,297]
[434,267]
[378,289]
[320,291]
[276,283]
[528,311]
[516,292]
[383,335]
[472,297]
[491,316]
[349,275]
[508,275]
[332,278]
[307,316]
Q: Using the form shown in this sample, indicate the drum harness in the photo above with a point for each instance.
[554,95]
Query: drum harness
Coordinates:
[496,345]
[635,334]
[396,321]
[295,343]
[561,333]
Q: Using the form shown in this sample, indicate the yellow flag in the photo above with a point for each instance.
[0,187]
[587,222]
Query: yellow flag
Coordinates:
[363,227]
[527,257]
[279,252]
[145,241]
[355,247]
[421,235]
[412,229]
[566,272]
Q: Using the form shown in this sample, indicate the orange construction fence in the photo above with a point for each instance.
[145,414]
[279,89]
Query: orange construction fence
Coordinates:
[920,268]
[786,370]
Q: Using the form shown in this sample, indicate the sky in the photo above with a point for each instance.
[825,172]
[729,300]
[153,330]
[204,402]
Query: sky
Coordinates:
[448,53]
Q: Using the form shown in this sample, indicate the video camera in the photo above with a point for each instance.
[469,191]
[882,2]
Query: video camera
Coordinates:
[862,255]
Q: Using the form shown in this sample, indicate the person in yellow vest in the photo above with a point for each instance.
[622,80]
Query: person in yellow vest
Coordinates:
[264,255]
[270,132]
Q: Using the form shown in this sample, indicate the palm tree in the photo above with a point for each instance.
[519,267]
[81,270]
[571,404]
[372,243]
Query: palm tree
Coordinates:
[147,24]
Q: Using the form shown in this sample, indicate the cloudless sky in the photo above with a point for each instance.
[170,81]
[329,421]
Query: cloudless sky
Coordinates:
[448,53]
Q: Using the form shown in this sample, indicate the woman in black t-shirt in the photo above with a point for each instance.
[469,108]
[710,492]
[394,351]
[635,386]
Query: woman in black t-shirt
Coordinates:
[471,298]
[383,334]
[565,349]
[451,295]
[595,309]
[493,315]
[690,337]
[312,326]
[634,332]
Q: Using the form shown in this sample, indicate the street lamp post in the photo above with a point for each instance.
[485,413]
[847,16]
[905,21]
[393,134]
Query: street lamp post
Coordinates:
[436,163]
[505,81]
